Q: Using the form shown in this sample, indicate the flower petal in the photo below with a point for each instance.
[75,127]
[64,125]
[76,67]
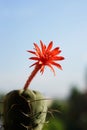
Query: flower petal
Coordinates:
[34,58]
[31,52]
[51,68]
[55,51]
[57,65]
[58,58]
[43,47]
[42,69]
[49,46]
[34,64]
[37,49]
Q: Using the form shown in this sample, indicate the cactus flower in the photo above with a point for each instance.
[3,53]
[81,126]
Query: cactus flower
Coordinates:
[26,109]
[44,56]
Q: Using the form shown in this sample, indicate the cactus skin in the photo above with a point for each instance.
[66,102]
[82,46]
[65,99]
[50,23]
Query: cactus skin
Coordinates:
[24,110]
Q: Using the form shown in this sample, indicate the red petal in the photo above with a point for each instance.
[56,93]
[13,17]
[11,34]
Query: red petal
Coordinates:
[51,68]
[55,51]
[34,58]
[31,52]
[42,69]
[59,51]
[49,46]
[58,58]
[57,65]
[34,64]
[37,49]
[43,47]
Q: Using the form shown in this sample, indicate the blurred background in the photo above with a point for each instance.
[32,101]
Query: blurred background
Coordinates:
[65,23]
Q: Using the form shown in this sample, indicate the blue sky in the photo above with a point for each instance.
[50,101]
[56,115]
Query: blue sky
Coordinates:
[23,22]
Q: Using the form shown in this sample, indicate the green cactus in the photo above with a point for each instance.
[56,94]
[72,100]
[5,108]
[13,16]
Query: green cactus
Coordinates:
[24,110]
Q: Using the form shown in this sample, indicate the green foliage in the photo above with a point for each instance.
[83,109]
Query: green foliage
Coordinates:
[56,118]
[72,113]
[55,124]
[1,102]
[77,111]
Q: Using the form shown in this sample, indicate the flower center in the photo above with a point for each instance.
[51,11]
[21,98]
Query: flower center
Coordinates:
[45,58]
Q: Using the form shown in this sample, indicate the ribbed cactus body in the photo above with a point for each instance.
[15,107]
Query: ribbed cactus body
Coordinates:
[24,110]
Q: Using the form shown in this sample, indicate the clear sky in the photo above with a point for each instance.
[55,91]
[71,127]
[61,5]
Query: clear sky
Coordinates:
[23,22]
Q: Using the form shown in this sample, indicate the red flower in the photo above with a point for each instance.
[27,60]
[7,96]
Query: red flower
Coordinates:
[46,56]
